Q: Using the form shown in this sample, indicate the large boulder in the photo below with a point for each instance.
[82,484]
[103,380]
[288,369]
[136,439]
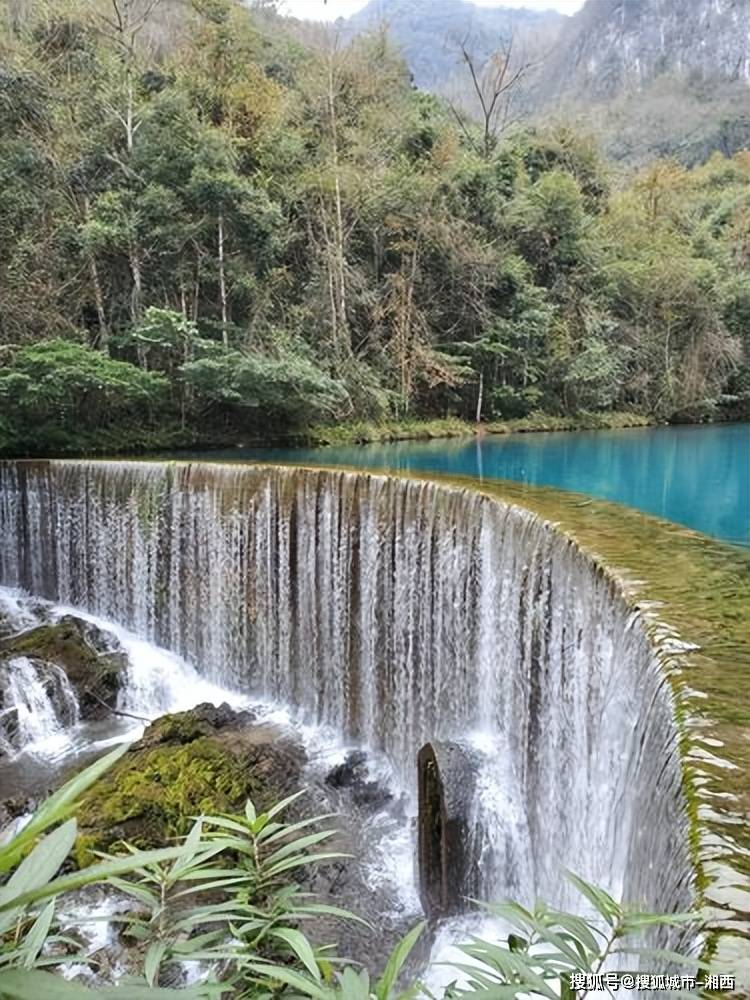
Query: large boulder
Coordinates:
[448,846]
[205,761]
[93,660]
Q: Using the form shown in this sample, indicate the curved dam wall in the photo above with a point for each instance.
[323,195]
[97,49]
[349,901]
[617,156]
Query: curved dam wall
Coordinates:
[396,612]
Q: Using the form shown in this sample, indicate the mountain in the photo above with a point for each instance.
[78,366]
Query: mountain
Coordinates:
[651,77]
[427,31]
[613,46]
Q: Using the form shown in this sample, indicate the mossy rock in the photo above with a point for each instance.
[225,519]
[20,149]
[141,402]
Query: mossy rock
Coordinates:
[205,761]
[92,659]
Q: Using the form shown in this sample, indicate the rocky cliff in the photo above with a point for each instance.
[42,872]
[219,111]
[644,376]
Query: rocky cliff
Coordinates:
[615,46]
[652,77]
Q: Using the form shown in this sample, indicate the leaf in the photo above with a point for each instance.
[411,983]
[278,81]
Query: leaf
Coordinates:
[516,943]
[190,845]
[250,813]
[599,899]
[298,845]
[665,954]
[634,921]
[37,935]
[512,965]
[281,806]
[225,823]
[95,873]
[152,962]
[32,984]
[396,961]
[353,986]
[303,859]
[56,808]
[308,987]
[581,931]
[277,831]
[566,990]
[39,867]
[331,911]
[139,892]
[299,945]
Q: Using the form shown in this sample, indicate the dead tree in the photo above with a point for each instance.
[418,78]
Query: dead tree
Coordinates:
[495,84]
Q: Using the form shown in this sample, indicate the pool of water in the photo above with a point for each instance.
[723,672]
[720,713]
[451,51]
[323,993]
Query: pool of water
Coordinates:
[696,476]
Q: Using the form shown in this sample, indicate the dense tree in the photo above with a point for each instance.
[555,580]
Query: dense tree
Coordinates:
[267,233]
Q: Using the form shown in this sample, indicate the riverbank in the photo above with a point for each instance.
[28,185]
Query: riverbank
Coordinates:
[51,443]
[364,432]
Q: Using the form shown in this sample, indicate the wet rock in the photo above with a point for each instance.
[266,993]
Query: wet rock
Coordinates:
[448,861]
[92,659]
[353,774]
[201,762]
[203,720]
[14,808]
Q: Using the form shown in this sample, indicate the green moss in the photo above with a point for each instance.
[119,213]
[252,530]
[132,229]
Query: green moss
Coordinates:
[180,728]
[151,795]
[92,671]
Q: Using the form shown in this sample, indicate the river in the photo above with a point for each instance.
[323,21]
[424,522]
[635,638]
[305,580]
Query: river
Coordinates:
[694,476]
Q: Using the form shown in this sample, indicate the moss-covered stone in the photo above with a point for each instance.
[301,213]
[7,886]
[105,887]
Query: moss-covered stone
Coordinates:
[203,761]
[92,659]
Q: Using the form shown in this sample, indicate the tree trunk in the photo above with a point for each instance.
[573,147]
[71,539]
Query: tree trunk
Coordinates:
[223,283]
[129,117]
[102,340]
[339,256]
[136,293]
[480,397]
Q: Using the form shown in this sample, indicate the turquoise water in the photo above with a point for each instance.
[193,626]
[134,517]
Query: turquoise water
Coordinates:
[696,476]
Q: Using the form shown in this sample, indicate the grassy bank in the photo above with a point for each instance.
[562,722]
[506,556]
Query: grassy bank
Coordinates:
[127,440]
[364,432]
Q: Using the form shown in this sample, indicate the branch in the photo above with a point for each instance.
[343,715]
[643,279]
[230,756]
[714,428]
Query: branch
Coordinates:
[464,129]
[477,86]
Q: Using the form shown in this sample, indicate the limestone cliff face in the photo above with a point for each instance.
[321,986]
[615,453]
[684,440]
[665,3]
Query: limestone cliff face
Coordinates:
[648,77]
[613,47]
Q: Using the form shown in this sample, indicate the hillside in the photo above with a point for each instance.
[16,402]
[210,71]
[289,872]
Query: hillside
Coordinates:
[223,235]
[652,77]
[655,76]
[427,32]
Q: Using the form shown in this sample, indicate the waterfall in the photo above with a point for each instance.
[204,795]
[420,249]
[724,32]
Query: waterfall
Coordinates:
[37,705]
[397,612]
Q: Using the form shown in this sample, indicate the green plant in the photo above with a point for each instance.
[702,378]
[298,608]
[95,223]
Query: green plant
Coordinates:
[349,984]
[252,911]
[223,896]
[546,947]
[31,860]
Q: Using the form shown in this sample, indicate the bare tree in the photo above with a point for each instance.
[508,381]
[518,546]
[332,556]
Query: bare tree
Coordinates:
[122,25]
[495,84]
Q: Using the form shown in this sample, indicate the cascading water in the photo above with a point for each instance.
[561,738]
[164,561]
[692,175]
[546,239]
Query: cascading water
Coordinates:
[37,705]
[396,612]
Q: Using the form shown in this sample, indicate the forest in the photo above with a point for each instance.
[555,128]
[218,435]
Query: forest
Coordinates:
[216,228]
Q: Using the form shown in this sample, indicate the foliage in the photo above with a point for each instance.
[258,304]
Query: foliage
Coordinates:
[30,861]
[546,948]
[224,896]
[288,386]
[219,233]
[71,388]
